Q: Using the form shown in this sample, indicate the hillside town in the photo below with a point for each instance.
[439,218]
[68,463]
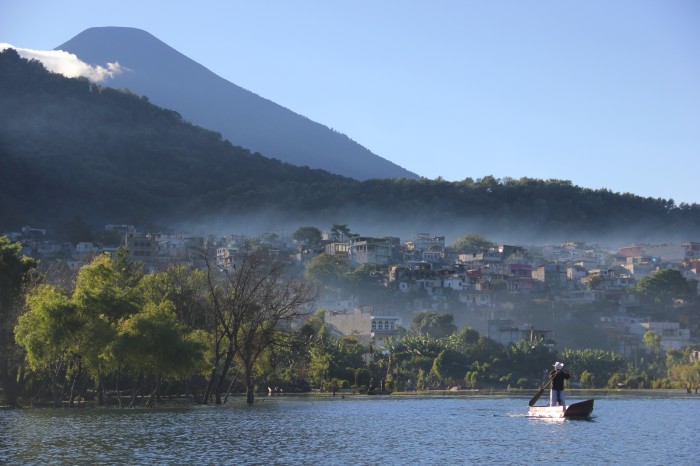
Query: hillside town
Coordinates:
[487,290]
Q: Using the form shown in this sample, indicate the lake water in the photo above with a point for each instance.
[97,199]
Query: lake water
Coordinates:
[358,430]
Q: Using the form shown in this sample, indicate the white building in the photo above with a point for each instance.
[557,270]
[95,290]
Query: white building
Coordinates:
[364,323]
[672,335]
[85,249]
[507,332]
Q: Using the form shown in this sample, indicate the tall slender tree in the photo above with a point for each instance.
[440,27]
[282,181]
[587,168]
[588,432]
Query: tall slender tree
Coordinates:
[107,290]
[15,276]
[49,332]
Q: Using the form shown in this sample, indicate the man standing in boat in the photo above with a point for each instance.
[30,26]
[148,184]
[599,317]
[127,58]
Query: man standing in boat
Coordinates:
[557,376]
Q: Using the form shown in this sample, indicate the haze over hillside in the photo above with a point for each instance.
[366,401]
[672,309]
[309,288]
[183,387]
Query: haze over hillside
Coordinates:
[70,148]
[172,80]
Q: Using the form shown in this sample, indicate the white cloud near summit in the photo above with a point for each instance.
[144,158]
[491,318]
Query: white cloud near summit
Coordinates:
[67,64]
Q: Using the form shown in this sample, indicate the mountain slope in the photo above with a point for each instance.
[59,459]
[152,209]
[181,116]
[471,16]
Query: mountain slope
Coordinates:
[69,148]
[171,80]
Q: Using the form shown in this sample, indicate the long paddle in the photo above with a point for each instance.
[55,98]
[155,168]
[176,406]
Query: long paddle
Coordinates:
[537,396]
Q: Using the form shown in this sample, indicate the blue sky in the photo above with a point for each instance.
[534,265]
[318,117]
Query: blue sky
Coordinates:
[603,93]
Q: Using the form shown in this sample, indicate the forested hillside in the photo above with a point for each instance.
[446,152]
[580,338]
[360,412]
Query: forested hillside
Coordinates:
[70,148]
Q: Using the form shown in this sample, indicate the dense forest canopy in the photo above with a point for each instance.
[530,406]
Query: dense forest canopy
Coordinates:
[70,147]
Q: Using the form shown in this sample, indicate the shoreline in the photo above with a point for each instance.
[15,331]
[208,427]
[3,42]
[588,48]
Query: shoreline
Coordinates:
[528,393]
[596,393]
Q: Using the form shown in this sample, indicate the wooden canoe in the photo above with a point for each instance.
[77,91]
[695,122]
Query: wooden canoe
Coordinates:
[582,409]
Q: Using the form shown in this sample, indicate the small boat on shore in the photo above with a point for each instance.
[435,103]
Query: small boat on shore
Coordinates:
[580,410]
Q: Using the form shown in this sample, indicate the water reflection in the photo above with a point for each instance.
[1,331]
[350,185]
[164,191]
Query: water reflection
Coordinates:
[354,430]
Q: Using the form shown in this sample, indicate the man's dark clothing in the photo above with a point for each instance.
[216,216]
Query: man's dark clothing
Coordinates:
[558,378]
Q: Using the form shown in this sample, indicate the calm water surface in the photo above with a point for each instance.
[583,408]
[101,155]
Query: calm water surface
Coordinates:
[354,430]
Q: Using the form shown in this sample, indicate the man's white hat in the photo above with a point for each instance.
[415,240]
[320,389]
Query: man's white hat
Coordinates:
[558,366]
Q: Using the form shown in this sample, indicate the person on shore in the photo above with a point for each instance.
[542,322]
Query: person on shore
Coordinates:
[557,376]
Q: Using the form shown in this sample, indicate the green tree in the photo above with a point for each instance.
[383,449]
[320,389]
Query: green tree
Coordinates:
[49,334]
[107,290]
[433,324]
[472,242]
[448,367]
[686,376]
[674,356]
[82,324]
[313,324]
[664,285]
[286,363]
[367,282]
[652,341]
[587,379]
[328,270]
[471,378]
[602,365]
[153,345]
[332,357]
[341,233]
[436,375]
[526,360]
[348,358]
[115,324]
[421,380]
[412,355]
[464,339]
[321,357]
[183,286]
[15,277]
[308,236]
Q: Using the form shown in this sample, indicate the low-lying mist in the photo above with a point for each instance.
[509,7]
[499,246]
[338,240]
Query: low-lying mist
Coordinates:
[368,222]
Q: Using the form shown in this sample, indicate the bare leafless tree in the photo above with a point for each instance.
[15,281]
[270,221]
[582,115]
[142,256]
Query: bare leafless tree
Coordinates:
[249,301]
